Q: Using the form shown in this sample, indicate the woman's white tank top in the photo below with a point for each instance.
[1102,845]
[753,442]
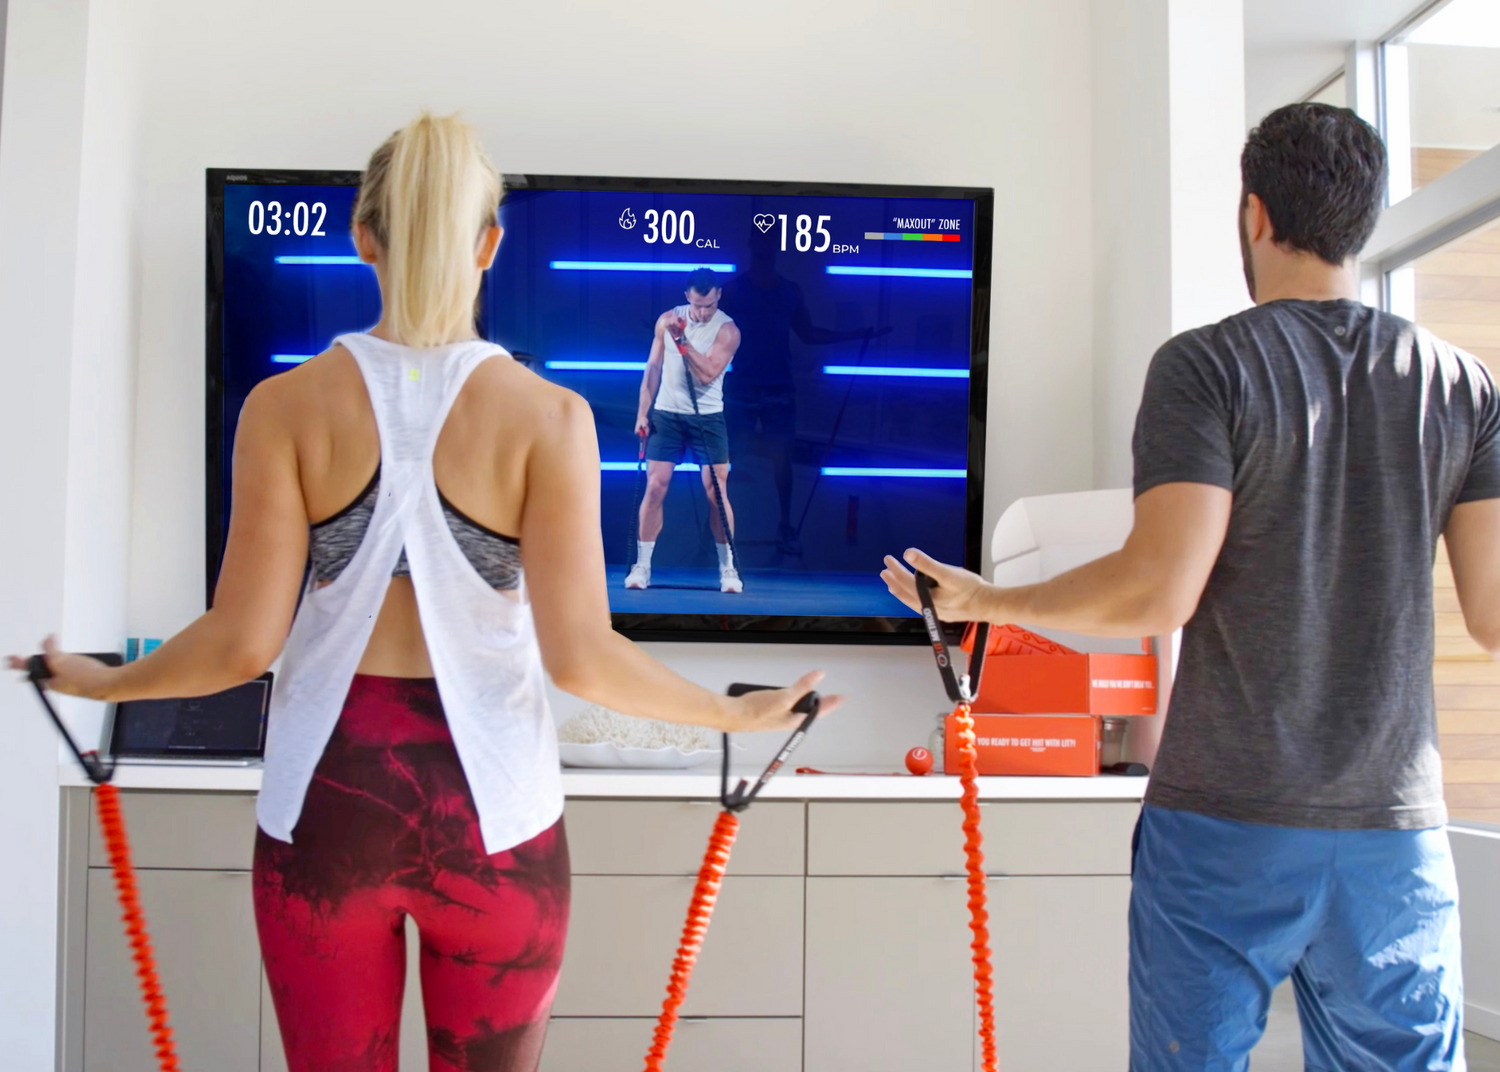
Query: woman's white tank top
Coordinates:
[482,644]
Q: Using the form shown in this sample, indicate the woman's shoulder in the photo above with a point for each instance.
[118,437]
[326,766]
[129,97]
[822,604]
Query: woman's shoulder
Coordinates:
[326,384]
[518,398]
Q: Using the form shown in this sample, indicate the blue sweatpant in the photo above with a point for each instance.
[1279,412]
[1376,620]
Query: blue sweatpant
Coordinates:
[1364,921]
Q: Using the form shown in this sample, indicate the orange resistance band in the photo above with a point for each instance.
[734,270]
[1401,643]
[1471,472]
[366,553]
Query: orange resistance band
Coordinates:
[112,822]
[705,893]
[979,916]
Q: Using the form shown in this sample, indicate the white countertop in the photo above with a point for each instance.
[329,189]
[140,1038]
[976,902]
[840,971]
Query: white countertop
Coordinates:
[701,784]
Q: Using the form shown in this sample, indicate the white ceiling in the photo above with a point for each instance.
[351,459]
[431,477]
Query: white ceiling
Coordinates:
[1292,45]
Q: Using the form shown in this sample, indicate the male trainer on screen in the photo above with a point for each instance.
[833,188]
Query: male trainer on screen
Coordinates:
[682,410]
[1294,467]
[761,399]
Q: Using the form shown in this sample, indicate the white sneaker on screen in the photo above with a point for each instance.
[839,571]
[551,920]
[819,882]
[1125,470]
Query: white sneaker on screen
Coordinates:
[639,577]
[729,580]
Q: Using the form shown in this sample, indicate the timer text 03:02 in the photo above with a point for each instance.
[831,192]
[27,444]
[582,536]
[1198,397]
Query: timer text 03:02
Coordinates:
[270,217]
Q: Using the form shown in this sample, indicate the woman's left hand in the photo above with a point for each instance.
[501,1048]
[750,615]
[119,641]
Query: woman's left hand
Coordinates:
[71,675]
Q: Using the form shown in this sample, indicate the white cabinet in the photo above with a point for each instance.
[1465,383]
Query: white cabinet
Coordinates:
[889,976]
[203,930]
[624,933]
[667,837]
[1061,957]
[840,940]
[889,982]
[748,1044]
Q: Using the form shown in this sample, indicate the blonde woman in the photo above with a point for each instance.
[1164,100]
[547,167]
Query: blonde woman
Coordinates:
[447,501]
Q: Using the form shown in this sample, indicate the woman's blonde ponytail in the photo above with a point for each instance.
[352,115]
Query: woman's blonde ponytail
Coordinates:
[426,197]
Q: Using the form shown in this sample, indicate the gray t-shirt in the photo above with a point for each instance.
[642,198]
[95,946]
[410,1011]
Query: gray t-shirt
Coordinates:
[1303,694]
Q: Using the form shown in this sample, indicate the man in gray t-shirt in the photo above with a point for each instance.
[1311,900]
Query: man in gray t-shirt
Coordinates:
[1294,467]
[1346,436]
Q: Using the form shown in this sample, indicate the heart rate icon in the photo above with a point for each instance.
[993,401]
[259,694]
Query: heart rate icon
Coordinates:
[765,221]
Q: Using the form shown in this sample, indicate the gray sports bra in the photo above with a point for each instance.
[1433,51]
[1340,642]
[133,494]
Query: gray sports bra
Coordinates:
[332,542]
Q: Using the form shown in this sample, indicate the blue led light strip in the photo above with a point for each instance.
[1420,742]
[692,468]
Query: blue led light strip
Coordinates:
[634,266]
[318,260]
[937,474]
[291,359]
[914,273]
[879,370]
[598,366]
[621,467]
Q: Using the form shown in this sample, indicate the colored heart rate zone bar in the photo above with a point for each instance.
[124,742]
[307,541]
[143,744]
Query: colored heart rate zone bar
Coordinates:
[908,236]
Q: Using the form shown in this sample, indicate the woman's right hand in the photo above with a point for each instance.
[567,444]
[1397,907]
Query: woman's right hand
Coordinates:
[771,709]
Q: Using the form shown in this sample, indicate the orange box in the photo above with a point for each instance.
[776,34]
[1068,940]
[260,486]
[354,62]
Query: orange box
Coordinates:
[1047,745]
[1025,674]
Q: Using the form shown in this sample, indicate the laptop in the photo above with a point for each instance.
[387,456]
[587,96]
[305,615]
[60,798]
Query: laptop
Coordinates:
[225,729]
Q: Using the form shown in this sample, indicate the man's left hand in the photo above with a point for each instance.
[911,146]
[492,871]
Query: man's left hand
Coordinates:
[955,596]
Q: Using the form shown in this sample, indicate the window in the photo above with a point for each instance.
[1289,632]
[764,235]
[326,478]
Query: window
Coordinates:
[1454,291]
[1441,82]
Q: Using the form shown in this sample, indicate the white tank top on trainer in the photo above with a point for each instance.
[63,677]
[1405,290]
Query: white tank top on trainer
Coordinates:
[482,644]
[672,396]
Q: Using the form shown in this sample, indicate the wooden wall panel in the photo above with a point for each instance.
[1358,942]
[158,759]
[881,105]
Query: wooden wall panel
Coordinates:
[1429,164]
[1458,298]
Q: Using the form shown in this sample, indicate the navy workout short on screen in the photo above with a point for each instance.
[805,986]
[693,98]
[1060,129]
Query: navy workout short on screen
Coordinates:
[678,436]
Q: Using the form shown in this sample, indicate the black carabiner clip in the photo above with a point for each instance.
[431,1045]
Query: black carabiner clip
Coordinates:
[960,690]
[98,769]
[739,799]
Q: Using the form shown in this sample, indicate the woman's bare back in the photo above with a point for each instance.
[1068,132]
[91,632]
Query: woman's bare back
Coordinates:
[480,465]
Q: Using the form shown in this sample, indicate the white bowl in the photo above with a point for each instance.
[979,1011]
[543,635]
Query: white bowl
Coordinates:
[607,755]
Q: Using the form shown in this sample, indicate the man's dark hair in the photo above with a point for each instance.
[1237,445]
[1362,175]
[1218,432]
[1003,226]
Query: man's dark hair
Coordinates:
[703,280]
[1320,171]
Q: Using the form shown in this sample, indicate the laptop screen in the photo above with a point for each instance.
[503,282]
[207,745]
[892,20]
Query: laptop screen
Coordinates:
[227,725]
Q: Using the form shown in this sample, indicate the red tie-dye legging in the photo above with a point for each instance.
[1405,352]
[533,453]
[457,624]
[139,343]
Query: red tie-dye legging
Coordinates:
[388,830]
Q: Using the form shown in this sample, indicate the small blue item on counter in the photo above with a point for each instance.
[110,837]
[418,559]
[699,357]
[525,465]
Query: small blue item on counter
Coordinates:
[148,646]
[132,649]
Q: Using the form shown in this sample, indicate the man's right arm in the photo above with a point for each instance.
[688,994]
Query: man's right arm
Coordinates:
[650,380]
[1473,538]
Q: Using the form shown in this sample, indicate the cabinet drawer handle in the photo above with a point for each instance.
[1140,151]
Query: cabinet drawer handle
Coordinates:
[693,1020]
[965,878]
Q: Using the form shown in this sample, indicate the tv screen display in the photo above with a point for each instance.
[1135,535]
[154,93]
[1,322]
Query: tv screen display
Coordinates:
[826,398]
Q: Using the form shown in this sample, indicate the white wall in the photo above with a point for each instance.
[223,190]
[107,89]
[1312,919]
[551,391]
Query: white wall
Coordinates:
[939,92]
[1207,85]
[1476,855]
[41,114]
[1131,198]
[105,327]
[1168,77]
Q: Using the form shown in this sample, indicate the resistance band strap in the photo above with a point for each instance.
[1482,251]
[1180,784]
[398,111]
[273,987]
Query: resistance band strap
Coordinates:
[964,691]
[98,770]
[739,799]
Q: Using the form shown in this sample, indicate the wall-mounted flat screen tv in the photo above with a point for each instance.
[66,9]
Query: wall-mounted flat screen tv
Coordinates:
[831,372]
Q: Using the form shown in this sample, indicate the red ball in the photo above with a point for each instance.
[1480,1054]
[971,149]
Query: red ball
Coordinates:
[919,761]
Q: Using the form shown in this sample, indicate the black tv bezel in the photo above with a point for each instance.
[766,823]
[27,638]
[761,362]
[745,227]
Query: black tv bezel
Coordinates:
[801,629]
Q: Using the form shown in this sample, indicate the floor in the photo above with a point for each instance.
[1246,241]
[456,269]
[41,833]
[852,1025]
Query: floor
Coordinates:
[1280,1048]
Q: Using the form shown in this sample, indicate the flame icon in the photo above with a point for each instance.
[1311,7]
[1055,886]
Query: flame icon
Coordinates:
[627,219]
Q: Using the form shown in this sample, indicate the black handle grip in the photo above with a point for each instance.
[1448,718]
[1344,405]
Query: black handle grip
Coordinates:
[808,705]
[36,666]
